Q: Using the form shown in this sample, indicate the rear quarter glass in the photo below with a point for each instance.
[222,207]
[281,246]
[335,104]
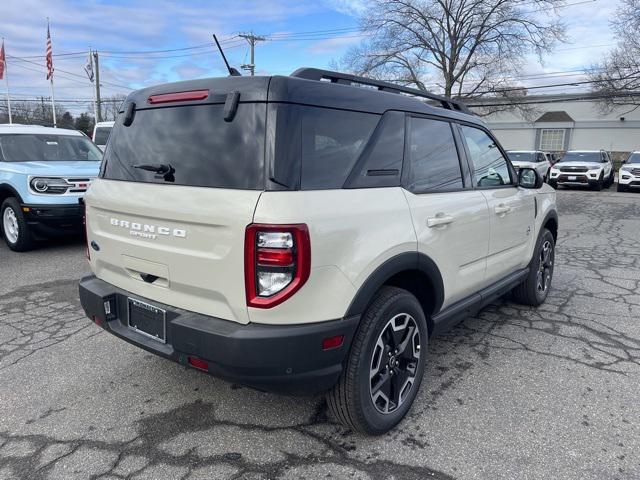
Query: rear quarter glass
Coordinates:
[203,149]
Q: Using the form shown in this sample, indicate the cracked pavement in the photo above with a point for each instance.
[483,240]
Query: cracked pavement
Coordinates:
[514,393]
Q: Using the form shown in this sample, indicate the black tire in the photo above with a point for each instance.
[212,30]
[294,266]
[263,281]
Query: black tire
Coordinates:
[24,240]
[529,292]
[622,188]
[352,401]
[609,181]
[597,186]
[553,184]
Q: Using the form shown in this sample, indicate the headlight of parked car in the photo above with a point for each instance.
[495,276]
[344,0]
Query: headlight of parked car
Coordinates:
[55,186]
[626,168]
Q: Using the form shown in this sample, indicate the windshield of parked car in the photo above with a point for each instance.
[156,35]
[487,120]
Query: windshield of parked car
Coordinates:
[26,147]
[522,156]
[634,158]
[102,135]
[581,157]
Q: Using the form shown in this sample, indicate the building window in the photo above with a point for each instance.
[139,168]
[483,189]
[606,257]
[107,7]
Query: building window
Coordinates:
[552,139]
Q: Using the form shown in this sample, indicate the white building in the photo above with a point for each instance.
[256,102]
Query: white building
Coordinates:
[564,122]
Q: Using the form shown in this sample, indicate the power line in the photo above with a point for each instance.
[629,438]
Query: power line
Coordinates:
[585,97]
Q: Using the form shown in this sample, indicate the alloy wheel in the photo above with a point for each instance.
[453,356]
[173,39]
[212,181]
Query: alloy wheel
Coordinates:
[545,269]
[394,363]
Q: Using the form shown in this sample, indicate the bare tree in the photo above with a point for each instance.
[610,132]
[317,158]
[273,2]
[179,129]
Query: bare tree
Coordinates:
[617,78]
[110,106]
[464,48]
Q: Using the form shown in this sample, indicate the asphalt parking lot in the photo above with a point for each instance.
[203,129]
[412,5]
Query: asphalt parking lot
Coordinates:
[514,393]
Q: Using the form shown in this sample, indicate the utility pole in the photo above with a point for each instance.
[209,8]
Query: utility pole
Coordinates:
[252,39]
[97,73]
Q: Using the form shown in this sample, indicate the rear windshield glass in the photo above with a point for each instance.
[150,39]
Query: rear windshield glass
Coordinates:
[190,145]
[521,156]
[47,148]
[102,135]
[581,157]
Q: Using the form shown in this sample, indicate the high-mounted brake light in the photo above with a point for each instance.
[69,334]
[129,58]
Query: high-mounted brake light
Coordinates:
[178,96]
[277,262]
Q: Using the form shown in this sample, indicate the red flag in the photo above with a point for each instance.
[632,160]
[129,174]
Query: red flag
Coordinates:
[2,60]
[49,55]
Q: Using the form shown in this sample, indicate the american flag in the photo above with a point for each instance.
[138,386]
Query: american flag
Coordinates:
[49,55]
[2,60]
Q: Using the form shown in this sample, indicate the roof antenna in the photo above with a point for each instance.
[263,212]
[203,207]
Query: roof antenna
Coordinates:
[232,71]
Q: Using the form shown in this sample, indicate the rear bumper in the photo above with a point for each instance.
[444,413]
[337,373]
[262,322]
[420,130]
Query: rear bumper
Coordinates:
[286,359]
[54,219]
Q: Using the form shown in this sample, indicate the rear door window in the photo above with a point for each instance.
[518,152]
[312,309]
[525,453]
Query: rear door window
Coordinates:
[194,142]
[433,158]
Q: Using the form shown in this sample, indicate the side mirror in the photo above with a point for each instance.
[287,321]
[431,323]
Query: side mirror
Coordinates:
[529,178]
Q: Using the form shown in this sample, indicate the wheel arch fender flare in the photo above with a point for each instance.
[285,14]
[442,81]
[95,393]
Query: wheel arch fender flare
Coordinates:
[552,216]
[404,262]
[7,191]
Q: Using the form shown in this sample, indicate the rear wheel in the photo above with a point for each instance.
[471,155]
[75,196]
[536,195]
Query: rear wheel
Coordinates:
[14,227]
[553,184]
[535,288]
[385,365]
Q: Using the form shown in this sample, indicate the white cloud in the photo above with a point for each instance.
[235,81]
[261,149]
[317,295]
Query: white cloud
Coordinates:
[348,7]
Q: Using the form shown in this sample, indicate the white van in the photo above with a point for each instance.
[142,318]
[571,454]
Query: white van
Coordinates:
[101,133]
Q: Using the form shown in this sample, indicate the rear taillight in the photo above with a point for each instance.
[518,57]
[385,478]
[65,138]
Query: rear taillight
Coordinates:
[277,262]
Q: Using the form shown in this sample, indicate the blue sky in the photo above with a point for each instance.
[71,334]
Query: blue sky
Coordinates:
[139,25]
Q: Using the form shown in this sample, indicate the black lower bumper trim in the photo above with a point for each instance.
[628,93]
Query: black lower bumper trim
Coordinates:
[54,219]
[286,359]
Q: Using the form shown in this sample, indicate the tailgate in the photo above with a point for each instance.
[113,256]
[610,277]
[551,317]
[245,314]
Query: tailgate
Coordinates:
[179,245]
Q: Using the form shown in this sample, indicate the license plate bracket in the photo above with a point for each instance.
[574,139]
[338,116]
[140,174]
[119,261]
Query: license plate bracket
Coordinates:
[572,178]
[147,319]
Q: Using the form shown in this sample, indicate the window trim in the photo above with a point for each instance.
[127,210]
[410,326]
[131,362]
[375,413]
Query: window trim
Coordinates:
[407,156]
[512,172]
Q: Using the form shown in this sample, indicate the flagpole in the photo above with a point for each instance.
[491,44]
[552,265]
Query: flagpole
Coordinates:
[95,102]
[53,104]
[49,61]
[6,79]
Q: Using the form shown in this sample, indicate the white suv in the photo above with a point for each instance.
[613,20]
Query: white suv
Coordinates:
[592,168]
[307,234]
[629,174]
[539,161]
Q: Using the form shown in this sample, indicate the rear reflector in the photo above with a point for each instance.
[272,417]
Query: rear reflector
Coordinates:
[178,96]
[332,342]
[275,256]
[198,363]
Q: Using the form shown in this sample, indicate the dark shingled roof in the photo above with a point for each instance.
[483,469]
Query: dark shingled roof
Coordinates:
[560,116]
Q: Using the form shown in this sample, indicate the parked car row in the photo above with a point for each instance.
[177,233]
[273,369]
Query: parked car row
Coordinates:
[592,168]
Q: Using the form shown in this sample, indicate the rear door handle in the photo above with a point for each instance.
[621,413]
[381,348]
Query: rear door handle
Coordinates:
[439,220]
[502,209]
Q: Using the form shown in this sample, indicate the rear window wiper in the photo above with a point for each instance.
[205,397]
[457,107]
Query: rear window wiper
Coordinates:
[164,169]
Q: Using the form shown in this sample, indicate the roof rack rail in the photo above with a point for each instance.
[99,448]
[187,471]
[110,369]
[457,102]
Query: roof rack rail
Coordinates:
[348,79]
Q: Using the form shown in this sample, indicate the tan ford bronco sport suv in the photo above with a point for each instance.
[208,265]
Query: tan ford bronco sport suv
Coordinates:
[308,233]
